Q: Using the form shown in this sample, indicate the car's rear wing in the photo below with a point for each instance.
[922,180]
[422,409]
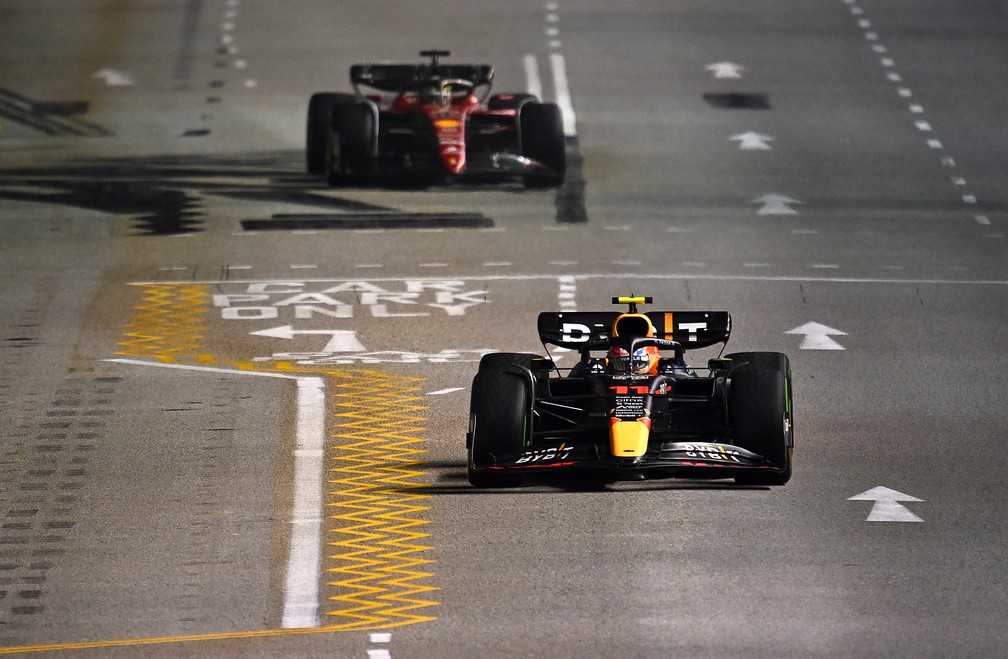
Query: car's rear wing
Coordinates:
[406,77]
[692,329]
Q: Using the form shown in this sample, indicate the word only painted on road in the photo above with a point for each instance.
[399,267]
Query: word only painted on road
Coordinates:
[407,298]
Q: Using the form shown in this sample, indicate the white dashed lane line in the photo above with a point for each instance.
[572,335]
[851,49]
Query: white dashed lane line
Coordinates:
[888,63]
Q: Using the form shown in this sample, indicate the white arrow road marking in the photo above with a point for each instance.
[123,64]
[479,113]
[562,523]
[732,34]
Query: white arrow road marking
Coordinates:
[752,141]
[817,336]
[114,78]
[726,69]
[776,204]
[887,507]
[341,341]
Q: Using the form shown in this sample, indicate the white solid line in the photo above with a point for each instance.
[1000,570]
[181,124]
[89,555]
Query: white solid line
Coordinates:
[574,278]
[303,561]
[533,85]
[204,369]
[563,98]
[441,392]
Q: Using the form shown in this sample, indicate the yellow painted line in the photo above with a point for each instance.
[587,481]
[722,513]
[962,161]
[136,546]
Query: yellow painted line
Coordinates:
[163,640]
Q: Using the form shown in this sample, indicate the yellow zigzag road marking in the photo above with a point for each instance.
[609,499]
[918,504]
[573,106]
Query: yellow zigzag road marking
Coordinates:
[169,324]
[375,503]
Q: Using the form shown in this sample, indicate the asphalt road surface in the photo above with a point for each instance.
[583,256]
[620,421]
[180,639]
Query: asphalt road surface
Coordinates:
[234,400]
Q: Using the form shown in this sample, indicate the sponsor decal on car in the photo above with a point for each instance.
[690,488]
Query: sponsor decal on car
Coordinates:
[629,406]
[709,452]
[545,455]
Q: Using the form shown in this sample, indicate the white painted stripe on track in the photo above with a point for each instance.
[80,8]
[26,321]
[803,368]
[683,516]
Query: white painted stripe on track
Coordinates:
[301,591]
[563,97]
[576,277]
[442,392]
[304,557]
[533,84]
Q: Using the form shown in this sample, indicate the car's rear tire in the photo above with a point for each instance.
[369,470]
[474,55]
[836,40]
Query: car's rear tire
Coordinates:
[500,361]
[776,361]
[320,107]
[540,126]
[350,142]
[498,413]
[509,101]
[761,415]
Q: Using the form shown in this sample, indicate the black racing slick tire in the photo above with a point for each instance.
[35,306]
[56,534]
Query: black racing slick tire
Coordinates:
[498,417]
[776,361]
[500,361]
[542,140]
[320,108]
[351,140]
[762,417]
[509,101]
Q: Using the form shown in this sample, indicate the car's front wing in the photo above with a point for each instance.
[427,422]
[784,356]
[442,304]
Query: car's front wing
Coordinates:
[682,459]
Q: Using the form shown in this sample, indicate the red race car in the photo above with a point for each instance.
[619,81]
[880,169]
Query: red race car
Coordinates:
[425,123]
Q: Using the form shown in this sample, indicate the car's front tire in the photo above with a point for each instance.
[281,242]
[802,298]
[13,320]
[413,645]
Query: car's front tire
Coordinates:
[762,416]
[498,418]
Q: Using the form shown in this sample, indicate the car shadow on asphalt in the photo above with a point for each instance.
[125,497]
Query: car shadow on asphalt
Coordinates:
[449,478]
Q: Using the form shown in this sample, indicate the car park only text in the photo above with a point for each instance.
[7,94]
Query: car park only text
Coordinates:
[305,300]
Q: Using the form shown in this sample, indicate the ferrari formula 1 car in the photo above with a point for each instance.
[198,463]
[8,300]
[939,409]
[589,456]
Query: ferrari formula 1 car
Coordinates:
[430,122]
[637,412]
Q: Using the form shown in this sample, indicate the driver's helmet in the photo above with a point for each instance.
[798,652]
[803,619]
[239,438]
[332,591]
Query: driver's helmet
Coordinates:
[437,91]
[643,361]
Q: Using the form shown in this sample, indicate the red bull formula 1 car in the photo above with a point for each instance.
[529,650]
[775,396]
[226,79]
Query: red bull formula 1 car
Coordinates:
[632,408]
[431,122]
